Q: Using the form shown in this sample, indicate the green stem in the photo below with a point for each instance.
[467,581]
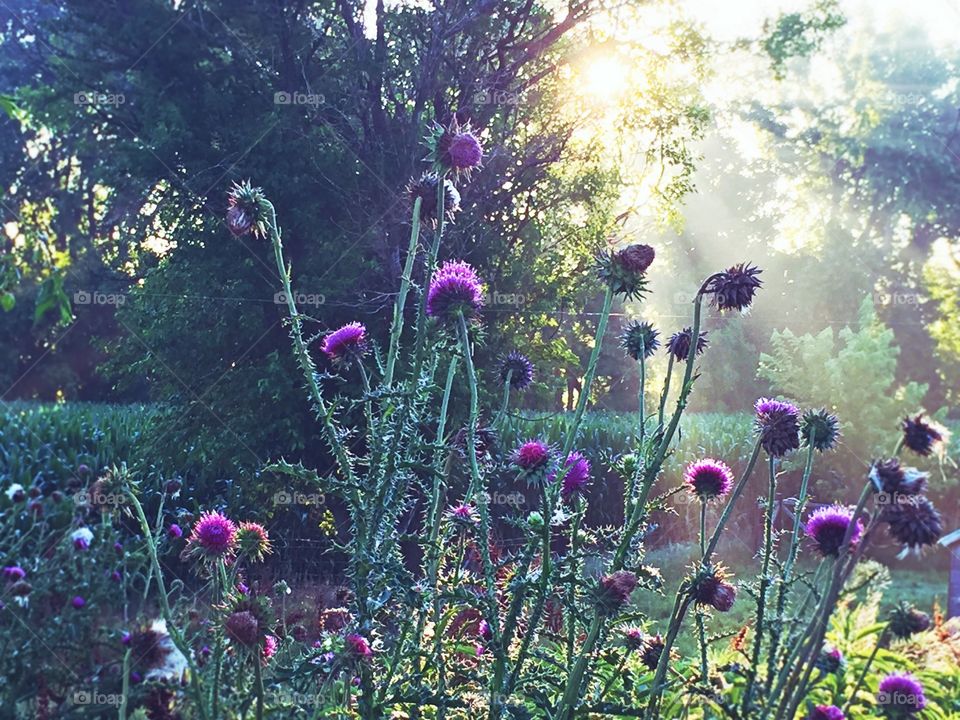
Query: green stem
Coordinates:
[396,328]
[258,677]
[303,355]
[125,691]
[764,588]
[642,400]
[666,391]
[728,509]
[804,669]
[863,673]
[172,628]
[506,399]
[787,575]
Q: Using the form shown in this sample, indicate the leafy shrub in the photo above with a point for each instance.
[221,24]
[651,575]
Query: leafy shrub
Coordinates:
[853,373]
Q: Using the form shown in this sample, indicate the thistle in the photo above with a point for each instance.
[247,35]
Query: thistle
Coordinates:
[455,288]
[426,189]
[708,479]
[827,527]
[889,476]
[778,425]
[213,536]
[454,149]
[906,620]
[248,211]
[577,477]
[711,588]
[900,695]
[624,271]
[357,647]
[820,429]
[826,712]
[734,288]
[640,340]
[615,589]
[925,437]
[517,367]
[914,522]
[532,455]
[679,344]
[345,344]
[253,541]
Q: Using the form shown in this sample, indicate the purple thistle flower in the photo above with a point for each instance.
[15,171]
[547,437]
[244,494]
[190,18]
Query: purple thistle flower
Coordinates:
[247,210]
[13,573]
[116,576]
[652,651]
[214,535]
[175,531]
[901,695]
[577,477]
[426,189]
[715,591]
[913,522]
[778,425]
[455,149]
[734,288]
[455,288]
[827,526]
[532,455]
[889,476]
[924,437]
[465,515]
[243,627]
[624,271]
[518,368]
[830,661]
[906,620]
[826,712]
[633,638]
[345,343]
[358,646]
[679,344]
[615,589]
[708,478]
[464,150]
[78,602]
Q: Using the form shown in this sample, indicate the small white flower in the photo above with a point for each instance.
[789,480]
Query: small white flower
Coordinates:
[81,538]
[13,490]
